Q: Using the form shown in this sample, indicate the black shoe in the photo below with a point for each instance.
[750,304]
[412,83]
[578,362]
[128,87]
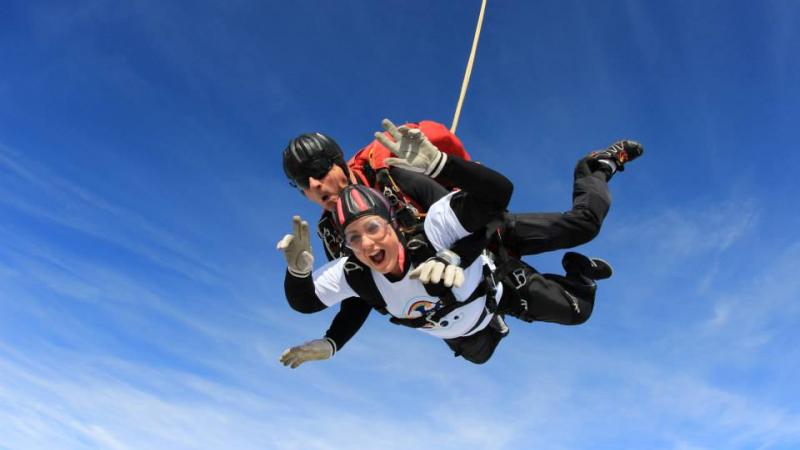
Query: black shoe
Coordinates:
[620,152]
[592,268]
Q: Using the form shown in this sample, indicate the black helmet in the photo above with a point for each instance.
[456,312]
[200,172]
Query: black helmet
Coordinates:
[356,201]
[311,155]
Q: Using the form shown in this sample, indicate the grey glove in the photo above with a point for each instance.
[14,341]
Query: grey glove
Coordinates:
[444,267]
[296,248]
[316,350]
[415,151]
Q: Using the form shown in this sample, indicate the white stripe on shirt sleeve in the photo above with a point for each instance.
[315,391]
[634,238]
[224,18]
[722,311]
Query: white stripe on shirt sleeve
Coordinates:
[442,225]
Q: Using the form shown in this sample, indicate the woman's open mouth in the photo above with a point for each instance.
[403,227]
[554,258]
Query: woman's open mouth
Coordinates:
[378,257]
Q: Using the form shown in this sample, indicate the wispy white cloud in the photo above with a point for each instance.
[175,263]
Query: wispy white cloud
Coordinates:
[57,403]
[417,394]
[662,403]
[530,404]
[688,232]
[749,313]
[38,192]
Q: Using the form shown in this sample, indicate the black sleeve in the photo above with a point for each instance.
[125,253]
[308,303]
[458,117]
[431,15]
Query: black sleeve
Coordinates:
[424,190]
[470,247]
[484,193]
[351,316]
[300,294]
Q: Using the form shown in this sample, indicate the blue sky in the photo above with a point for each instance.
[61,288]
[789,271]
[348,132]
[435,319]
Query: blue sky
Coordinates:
[141,197]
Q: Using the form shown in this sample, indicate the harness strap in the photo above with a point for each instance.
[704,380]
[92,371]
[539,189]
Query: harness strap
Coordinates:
[360,280]
[448,303]
[478,322]
[408,215]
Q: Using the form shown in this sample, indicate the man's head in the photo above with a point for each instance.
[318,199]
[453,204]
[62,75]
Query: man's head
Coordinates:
[368,224]
[314,163]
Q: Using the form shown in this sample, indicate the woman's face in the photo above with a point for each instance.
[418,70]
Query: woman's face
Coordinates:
[375,243]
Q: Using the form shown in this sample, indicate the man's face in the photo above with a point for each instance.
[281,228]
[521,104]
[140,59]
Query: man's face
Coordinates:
[375,243]
[325,191]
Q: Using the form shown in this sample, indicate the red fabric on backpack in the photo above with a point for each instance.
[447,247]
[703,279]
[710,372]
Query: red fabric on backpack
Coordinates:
[375,153]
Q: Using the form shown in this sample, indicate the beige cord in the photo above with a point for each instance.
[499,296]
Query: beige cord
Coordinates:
[469,69]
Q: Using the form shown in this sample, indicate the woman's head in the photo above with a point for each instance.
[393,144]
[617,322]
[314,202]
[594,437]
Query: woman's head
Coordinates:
[368,224]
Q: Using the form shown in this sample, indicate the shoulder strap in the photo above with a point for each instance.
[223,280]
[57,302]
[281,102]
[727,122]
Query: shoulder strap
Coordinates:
[331,239]
[360,279]
[406,209]
[418,247]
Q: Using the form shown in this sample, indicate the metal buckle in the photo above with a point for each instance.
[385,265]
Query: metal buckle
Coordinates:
[519,278]
[350,266]
[416,244]
[431,321]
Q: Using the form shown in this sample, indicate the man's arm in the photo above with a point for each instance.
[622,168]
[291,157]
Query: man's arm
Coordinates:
[489,191]
[447,264]
[484,194]
[424,190]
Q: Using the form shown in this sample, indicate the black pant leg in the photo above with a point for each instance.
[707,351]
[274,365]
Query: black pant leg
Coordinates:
[476,348]
[529,295]
[532,233]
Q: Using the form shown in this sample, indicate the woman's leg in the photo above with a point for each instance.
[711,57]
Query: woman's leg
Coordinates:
[529,295]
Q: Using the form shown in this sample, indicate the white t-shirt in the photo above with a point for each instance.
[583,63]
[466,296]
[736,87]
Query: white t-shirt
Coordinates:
[407,298]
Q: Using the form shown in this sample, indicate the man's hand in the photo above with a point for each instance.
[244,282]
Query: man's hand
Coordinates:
[316,350]
[296,248]
[415,152]
[444,268]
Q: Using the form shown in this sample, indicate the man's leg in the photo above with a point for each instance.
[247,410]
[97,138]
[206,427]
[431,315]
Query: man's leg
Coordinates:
[532,233]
